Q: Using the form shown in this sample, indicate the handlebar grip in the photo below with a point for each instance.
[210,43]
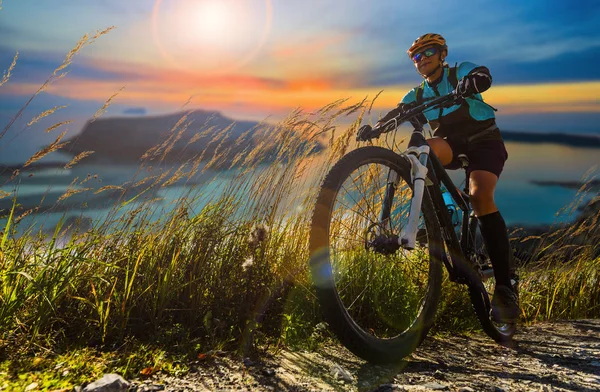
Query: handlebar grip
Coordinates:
[363,133]
[367,132]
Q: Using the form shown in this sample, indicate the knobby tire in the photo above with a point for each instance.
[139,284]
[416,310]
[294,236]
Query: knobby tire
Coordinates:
[362,341]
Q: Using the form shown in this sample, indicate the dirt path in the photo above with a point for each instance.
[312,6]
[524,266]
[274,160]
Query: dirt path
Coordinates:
[560,356]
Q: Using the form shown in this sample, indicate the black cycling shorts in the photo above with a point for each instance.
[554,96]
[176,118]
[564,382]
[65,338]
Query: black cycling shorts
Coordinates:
[488,155]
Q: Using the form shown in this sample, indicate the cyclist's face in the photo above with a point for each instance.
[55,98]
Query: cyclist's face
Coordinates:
[427,64]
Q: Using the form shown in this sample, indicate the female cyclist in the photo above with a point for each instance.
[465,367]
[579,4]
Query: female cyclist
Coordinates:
[470,129]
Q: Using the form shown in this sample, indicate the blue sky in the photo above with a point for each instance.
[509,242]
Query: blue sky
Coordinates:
[260,58]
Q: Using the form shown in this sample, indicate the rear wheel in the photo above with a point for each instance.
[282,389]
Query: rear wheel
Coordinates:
[379,300]
[481,294]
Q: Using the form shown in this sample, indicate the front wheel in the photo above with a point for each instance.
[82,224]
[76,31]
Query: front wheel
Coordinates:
[481,292]
[379,300]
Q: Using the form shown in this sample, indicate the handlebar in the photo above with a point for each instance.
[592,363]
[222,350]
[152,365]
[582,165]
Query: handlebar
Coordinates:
[366,132]
[444,101]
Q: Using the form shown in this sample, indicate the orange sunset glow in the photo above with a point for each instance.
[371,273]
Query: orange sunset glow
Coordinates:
[255,59]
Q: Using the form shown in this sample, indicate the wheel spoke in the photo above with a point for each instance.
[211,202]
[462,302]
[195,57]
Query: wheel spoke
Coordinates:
[386,296]
[357,207]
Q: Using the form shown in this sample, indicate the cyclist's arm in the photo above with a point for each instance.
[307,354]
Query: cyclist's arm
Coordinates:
[409,98]
[480,76]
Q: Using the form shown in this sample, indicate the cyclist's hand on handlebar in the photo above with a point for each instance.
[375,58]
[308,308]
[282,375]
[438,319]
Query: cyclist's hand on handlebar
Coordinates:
[366,133]
[405,107]
[467,86]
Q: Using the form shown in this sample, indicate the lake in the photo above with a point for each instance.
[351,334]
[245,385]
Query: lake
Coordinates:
[521,201]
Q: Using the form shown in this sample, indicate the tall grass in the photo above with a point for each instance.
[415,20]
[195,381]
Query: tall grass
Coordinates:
[563,281]
[222,272]
[228,272]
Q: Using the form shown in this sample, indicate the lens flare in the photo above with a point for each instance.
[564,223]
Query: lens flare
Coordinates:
[214,21]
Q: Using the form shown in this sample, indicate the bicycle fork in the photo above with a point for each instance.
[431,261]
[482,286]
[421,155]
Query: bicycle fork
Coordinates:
[417,157]
[383,242]
[386,206]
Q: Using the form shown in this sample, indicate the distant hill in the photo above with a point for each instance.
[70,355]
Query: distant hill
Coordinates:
[127,139]
[565,139]
[589,185]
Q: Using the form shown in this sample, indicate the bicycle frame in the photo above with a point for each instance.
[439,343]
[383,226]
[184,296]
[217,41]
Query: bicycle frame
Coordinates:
[428,174]
[460,267]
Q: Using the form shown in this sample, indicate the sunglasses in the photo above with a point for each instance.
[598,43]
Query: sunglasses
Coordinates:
[427,53]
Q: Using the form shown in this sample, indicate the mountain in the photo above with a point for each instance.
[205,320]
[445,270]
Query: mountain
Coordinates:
[589,185]
[173,138]
[565,139]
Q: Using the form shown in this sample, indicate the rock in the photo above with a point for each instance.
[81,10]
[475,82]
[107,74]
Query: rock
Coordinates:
[108,383]
[385,388]
[434,386]
[150,388]
[439,375]
[530,370]
[31,386]
[340,373]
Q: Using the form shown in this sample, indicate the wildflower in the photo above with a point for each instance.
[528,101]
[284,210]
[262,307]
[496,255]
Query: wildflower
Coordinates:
[257,236]
[247,263]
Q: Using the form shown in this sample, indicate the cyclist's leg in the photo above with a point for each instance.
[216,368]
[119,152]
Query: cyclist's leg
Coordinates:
[486,161]
[442,149]
[482,185]
[485,166]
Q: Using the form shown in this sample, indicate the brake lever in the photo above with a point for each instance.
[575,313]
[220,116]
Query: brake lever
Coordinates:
[457,100]
[367,132]
[454,98]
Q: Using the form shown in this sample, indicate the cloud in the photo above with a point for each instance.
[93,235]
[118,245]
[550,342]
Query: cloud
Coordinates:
[241,93]
[564,68]
[130,8]
[135,111]
[309,47]
[523,32]
[310,62]
[531,39]
[36,66]
[553,122]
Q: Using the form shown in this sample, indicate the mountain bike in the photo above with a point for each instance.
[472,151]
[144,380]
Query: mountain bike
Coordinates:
[381,233]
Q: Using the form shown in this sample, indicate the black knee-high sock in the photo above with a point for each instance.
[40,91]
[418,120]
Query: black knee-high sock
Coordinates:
[495,238]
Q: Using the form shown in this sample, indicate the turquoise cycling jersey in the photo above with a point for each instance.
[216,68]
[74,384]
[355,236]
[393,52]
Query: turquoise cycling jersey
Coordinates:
[463,120]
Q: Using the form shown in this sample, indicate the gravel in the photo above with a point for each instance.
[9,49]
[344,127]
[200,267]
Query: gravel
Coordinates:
[558,356]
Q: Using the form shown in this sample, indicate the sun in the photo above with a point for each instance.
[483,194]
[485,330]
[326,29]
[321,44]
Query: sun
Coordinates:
[213,19]
[212,36]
